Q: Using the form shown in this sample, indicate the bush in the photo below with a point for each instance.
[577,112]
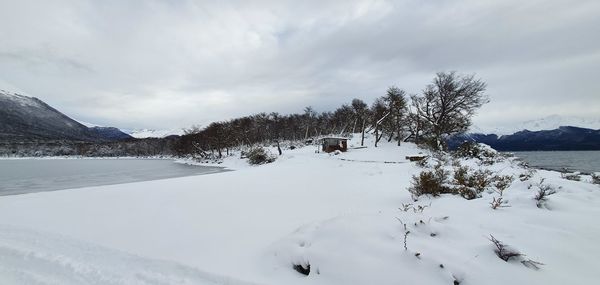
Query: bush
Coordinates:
[571,176]
[541,196]
[471,184]
[595,178]
[476,150]
[466,182]
[508,253]
[501,182]
[430,182]
[259,156]
[526,175]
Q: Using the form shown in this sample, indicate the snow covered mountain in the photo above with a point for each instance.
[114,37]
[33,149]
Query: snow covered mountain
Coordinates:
[24,118]
[547,123]
[148,133]
[562,138]
[140,133]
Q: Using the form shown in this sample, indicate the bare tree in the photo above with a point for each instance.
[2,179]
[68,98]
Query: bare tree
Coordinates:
[310,118]
[342,118]
[361,112]
[379,114]
[447,105]
[396,104]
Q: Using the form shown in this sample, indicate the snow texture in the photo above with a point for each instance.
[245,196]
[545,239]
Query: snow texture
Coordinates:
[337,213]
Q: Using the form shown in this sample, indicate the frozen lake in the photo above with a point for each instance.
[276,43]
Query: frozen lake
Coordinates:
[19,176]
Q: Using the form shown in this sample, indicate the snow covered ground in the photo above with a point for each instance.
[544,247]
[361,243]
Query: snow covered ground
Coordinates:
[338,213]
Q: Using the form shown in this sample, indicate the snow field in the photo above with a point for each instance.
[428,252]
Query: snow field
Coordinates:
[340,216]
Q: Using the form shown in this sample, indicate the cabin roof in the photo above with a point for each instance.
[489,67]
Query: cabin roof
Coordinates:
[335,138]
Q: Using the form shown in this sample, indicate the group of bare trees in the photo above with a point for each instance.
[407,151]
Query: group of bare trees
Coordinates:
[443,108]
[447,106]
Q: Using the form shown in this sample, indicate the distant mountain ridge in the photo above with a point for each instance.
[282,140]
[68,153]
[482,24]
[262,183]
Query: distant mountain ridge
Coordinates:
[562,138]
[148,133]
[139,133]
[546,123]
[24,118]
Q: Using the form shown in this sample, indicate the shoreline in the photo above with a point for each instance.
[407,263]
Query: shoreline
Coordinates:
[74,173]
[85,157]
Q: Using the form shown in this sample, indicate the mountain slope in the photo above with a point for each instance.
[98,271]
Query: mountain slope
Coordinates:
[25,118]
[546,123]
[110,133]
[562,138]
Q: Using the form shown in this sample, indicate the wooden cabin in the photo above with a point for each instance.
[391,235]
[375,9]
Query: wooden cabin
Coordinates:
[330,144]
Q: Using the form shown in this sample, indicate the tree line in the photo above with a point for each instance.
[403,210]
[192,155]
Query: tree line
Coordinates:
[443,108]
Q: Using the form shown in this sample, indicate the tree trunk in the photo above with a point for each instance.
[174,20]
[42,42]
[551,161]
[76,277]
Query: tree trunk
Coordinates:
[343,129]
[278,148]
[377,136]
[362,139]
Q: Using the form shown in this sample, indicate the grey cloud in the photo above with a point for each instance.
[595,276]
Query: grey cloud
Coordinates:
[177,63]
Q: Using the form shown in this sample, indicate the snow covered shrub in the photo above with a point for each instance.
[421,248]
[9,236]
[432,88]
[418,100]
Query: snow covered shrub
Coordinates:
[595,178]
[469,183]
[544,190]
[571,176]
[486,154]
[526,175]
[259,156]
[501,182]
[430,182]
[503,251]
[455,163]
[508,253]
[302,269]
[498,202]
[417,209]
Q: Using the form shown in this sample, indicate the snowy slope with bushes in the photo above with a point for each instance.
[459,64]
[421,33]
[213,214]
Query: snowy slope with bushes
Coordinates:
[308,218]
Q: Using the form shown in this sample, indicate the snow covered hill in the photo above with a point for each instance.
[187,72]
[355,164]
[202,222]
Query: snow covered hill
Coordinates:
[25,118]
[342,215]
[142,133]
[547,123]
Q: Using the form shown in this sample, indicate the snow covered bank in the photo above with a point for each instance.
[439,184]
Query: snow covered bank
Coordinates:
[30,257]
[336,213]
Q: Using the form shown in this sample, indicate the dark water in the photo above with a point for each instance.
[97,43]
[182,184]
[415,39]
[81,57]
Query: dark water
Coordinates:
[583,161]
[36,175]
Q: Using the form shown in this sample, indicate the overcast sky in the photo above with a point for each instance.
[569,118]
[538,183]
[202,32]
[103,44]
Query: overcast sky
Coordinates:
[171,64]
